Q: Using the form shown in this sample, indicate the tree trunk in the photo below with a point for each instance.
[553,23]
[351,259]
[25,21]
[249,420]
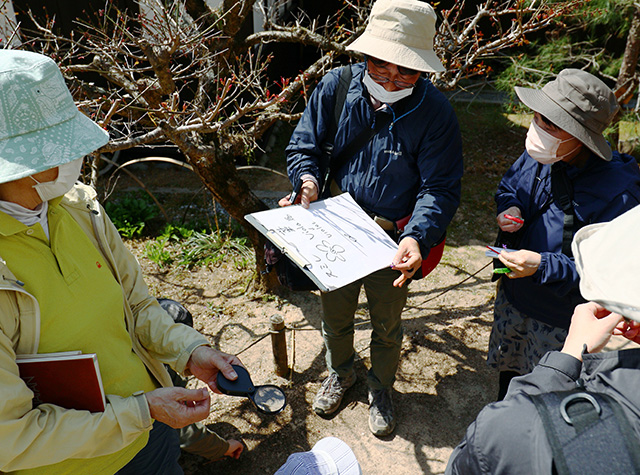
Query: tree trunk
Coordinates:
[627,80]
[631,52]
[218,173]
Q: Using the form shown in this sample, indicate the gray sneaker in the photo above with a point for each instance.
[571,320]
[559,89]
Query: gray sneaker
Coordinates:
[382,421]
[330,394]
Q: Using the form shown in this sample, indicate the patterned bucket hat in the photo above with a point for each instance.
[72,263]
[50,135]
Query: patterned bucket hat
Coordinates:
[40,125]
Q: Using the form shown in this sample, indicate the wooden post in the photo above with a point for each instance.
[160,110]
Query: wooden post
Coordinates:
[279,345]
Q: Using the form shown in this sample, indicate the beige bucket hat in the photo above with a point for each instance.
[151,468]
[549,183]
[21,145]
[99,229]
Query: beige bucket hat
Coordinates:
[578,103]
[40,125]
[607,257]
[401,32]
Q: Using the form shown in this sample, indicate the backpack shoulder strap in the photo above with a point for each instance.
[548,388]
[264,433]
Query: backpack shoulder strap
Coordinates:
[584,429]
[340,97]
[562,192]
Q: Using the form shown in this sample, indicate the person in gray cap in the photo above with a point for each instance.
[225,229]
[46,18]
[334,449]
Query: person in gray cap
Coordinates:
[517,436]
[409,168]
[68,283]
[567,177]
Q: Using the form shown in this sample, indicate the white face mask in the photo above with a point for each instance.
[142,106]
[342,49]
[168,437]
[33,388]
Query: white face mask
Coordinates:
[543,147]
[68,174]
[379,93]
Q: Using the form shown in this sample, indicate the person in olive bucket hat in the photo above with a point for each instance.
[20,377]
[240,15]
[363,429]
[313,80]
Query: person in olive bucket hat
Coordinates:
[567,177]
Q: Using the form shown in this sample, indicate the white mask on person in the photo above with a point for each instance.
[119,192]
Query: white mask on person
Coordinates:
[379,93]
[543,147]
[68,174]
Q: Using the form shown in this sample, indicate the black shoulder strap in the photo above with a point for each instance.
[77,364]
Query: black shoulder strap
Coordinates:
[340,98]
[562,192]
[333,164]
[381,120]
[584,430]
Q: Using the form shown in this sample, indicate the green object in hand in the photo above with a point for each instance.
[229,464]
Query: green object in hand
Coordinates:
[501,270]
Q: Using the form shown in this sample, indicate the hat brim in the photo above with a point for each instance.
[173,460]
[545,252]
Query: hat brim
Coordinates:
[424,60]
[37,151]
[599,251]
[340,453]
[540,102]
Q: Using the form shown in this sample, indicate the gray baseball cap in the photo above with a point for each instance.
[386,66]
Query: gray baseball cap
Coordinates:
[40,125]
[577,102]
[607,258]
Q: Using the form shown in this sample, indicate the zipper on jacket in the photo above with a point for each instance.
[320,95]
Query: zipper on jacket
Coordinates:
[14,281]
[394,120]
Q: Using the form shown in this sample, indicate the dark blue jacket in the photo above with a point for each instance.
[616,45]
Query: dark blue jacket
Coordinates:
[414,166]
[602,191]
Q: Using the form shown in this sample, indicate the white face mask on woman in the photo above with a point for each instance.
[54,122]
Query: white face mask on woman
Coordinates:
[543,147]
[378,92]
[68,174]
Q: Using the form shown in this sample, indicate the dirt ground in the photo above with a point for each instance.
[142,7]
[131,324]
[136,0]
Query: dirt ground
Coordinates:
[441,385]
[442,381]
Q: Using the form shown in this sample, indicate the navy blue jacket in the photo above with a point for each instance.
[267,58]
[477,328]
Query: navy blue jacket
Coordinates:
[414,166]
[602,191]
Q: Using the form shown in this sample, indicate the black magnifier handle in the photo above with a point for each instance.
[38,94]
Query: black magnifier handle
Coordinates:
[243,386]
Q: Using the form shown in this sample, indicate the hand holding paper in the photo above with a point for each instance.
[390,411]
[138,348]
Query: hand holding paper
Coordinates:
[522,263]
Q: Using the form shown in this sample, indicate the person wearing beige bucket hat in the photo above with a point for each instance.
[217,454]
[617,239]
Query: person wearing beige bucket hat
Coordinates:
[594,389]
[68,283]
[396,148]
[567,177]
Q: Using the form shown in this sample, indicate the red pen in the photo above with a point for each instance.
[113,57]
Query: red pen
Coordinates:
[513,218]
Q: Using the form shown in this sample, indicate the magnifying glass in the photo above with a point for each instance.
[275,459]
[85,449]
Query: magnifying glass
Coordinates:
[268,398]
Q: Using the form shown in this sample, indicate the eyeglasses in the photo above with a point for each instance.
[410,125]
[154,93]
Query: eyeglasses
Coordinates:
[380,64]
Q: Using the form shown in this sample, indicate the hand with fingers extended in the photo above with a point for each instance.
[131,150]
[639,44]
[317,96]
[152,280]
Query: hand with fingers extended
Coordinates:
[510,220]
[178,407]
[308,193]
[205,363]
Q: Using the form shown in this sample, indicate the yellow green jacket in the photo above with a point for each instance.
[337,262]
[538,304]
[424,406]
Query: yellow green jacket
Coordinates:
[47,434]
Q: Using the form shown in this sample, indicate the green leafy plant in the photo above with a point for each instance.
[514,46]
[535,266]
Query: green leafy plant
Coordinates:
[202,249]
[130,214]
[158,252]
[161,250]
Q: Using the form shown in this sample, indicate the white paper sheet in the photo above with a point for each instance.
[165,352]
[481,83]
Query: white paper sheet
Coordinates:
[334,241]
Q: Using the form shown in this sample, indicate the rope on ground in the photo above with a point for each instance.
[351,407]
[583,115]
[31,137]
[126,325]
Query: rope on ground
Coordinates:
[456,285]
[293,329]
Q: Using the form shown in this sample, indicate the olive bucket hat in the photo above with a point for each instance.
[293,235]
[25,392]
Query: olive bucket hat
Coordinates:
[577,102]
[40,125]
[401,32]
[607,258]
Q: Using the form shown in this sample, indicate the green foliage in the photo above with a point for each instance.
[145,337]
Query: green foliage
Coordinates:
[131,213]
[186,247]
[157,251]
[161,249]
[592,39]
[202,249]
